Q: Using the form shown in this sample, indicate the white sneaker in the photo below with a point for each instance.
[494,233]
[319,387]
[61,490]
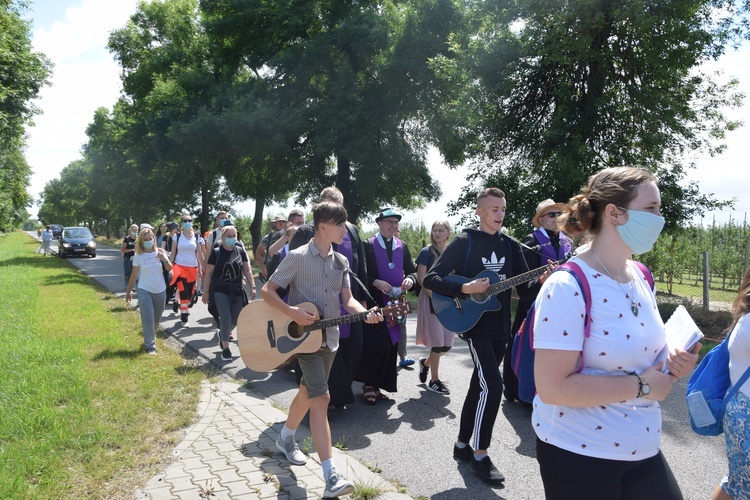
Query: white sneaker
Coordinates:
[291,450]
[337,486]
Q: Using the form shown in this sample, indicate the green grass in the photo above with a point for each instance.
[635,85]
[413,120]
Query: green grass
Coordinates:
[83,411]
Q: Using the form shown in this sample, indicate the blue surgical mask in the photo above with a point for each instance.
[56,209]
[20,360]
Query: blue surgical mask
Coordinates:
[187,225]
[134,234]
[148,244]
[223,222]
[641,230]
[230,242]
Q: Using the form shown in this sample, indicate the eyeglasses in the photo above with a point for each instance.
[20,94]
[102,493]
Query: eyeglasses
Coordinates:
[552,215]
[439,230]
[187,220]
[390,222]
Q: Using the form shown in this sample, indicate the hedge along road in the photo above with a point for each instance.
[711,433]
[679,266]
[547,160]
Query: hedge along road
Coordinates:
[410,438]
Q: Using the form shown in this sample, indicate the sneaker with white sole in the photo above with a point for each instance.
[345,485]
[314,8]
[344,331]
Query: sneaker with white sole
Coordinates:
[290,449]
[337,486]
[423,370]
[439,387]
[226,354]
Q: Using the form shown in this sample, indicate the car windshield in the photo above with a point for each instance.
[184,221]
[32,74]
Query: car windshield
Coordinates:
[78,232]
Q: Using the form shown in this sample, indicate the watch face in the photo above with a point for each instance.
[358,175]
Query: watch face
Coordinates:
[646,389]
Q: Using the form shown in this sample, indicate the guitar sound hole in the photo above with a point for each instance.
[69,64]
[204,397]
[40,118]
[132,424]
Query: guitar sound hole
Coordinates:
[478,298]
[295,331]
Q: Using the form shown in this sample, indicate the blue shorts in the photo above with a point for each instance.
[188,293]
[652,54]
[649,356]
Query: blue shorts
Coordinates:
[737,435]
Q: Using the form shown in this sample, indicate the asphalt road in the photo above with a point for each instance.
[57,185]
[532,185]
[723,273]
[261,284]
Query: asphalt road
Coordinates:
[410,438]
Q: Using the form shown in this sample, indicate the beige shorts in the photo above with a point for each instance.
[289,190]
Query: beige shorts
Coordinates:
[315,370]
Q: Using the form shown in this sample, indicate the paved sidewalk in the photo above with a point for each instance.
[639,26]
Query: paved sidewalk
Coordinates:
[230,453]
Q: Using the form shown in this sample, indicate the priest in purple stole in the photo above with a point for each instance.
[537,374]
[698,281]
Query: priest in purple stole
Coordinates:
[350,336]
[390,269]
[547,243]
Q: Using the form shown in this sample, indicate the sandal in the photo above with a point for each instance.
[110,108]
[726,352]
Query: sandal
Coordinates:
[381,396]
[371,397]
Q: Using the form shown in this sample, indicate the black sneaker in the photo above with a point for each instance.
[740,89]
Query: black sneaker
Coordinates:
[439,387]
[486,471]
[175,306]
[226,354]
[423,369]
[465,453]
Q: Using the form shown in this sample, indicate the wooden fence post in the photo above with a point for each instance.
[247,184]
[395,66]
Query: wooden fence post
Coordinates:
[705,280]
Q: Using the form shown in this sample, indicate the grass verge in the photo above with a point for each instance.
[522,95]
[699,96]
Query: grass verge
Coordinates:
[84,412]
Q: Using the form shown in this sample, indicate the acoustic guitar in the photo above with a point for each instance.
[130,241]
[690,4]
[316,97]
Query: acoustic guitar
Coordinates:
[459,314]
[268,339]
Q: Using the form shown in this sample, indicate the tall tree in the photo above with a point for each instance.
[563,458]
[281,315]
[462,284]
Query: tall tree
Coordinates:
[559,89]
[22,75]
[339,68]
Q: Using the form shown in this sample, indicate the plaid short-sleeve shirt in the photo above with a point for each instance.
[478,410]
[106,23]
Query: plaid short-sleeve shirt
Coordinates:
[317,278]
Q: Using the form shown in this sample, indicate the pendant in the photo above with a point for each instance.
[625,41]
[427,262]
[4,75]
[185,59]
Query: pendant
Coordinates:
[634,307]
[391,265]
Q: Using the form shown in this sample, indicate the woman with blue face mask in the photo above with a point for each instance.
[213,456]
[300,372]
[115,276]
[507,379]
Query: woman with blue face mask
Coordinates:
[596,413]
[148,264]
[187,257]
[227,264]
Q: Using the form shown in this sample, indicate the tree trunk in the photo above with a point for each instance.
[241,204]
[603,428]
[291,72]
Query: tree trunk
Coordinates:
[256,226]
[205,207]
[344,183]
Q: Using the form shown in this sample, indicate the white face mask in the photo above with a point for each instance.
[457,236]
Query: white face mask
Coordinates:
[641,230]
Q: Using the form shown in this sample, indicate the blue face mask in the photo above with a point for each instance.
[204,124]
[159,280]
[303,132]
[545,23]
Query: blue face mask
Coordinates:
[187,225]
[641,230]
[223,222]
[134,234]
[230,242]
[148,244]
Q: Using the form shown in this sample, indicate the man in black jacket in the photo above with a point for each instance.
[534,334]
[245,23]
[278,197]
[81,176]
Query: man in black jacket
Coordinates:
[470,253]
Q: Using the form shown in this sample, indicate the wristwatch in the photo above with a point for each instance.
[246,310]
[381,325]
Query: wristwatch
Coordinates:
[643,388]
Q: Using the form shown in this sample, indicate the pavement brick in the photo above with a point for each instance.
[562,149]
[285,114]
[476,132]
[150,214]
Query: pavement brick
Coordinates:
[202,474]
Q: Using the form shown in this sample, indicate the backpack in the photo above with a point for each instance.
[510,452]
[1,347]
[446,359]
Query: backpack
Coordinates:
[522,353]
[707,395]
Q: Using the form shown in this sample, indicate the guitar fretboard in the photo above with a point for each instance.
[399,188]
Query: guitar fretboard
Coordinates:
[501,286]
[339,320]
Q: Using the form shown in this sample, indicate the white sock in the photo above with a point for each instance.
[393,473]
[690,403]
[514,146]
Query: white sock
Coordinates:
[479,456]
[460,445]
[286,432]
[327,466]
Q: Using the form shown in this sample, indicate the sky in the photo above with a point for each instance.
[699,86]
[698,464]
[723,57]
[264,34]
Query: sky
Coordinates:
[74,33]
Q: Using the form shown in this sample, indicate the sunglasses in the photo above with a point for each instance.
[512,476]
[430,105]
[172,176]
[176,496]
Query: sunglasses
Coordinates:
[187,220]
[552,215]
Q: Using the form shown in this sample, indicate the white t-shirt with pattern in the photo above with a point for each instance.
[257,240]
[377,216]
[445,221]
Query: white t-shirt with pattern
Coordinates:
[620,342]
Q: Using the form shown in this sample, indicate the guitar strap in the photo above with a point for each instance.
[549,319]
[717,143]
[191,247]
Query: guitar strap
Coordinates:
[348,269]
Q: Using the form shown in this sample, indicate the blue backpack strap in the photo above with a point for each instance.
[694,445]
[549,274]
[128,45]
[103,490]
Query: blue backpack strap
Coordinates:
[646,273]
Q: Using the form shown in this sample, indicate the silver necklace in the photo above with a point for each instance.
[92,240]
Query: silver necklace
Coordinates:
[633,304]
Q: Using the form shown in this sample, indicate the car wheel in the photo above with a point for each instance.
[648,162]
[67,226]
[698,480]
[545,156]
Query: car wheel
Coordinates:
[93,255]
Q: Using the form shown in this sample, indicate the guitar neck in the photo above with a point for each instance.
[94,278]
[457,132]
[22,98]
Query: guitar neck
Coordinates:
[501,286]
[339,320]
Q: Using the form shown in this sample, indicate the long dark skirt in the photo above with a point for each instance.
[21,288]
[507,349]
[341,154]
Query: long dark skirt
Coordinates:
[377,365]
[344,366]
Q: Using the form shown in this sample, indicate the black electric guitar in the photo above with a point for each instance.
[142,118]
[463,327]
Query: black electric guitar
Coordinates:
[461,313]
[268,339]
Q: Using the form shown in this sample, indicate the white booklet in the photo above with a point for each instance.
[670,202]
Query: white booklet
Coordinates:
[682,332]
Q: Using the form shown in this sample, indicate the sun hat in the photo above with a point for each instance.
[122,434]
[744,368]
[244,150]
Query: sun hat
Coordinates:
[545,206]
